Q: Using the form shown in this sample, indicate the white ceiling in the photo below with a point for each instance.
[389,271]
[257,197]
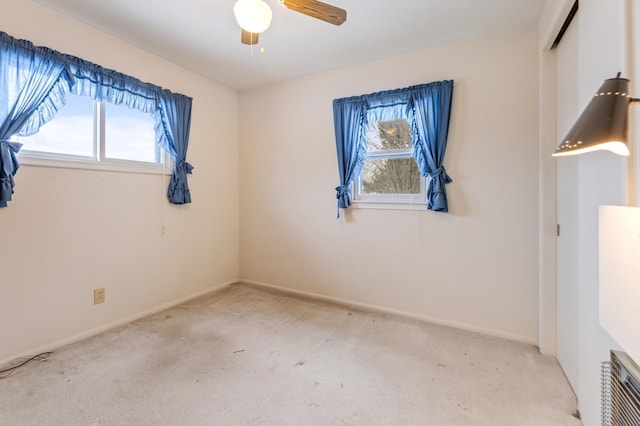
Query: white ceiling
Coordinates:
[202,35]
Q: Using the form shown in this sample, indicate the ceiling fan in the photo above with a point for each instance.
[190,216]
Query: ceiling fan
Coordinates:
[254,16]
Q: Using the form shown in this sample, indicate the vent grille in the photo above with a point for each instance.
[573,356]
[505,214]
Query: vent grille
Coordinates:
[620,391]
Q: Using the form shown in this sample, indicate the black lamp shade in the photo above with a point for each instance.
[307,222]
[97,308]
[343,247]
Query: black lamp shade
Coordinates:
[603,124]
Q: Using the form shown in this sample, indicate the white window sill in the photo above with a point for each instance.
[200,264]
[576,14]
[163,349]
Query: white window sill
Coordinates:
[360,204]
[90,164]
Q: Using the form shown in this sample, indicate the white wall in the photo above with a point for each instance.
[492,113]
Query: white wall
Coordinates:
[475,267]
[598,178]
[69,231]
[601,180]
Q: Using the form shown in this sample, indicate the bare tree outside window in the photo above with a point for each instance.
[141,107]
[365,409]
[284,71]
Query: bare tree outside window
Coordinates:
[397,172]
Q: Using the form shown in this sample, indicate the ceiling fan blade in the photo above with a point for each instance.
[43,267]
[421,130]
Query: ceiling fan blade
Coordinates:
[316,9]
[249,38]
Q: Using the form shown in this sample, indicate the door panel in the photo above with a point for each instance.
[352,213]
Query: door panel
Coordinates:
[567,203]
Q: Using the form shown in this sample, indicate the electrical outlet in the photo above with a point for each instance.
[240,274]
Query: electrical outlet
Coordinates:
[98,296]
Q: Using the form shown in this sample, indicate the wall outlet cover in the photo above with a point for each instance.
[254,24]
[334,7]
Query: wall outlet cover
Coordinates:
[98,296]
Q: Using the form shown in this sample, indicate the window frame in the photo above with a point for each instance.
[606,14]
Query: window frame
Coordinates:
[98,161]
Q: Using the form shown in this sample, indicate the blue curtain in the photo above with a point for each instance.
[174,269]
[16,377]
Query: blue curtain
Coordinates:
[429,111]
[173,136]
[33,83]
[171,111]
[427,108]
[349,120]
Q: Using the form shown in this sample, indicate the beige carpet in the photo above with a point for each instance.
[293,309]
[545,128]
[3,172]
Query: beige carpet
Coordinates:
[247,356]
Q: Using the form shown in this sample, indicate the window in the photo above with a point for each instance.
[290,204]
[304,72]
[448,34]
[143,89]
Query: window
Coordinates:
[102,132]
[129,134]
[376,165]
[70,133]
[390,173]
[35,84]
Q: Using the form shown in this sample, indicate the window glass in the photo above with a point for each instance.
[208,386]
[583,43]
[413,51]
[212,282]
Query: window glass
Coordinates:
[390,176]
[387,135]
[92,132]
[70,132]
[390,173]
[129,134]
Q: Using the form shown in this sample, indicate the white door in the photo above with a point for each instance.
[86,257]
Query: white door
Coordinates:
[567,204]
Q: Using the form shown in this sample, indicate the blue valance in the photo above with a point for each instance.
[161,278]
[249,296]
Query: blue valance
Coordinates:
[426,107]
[34,82]
[106,85]
[387,105]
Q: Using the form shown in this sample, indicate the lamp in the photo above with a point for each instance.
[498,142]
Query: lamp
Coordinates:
[253,16]
[603,123]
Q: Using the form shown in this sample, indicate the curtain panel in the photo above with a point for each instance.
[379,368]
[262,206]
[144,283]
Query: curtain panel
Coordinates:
[34,81]
[350,123]
[427,109]
[172,132]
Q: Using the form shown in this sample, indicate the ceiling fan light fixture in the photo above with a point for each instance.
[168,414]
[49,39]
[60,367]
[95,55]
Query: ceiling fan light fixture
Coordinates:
[253,16]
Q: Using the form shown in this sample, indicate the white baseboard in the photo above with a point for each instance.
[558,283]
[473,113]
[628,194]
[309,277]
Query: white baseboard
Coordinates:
[364,306]
[97,330]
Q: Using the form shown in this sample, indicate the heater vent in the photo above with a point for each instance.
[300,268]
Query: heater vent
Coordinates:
[620,391]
